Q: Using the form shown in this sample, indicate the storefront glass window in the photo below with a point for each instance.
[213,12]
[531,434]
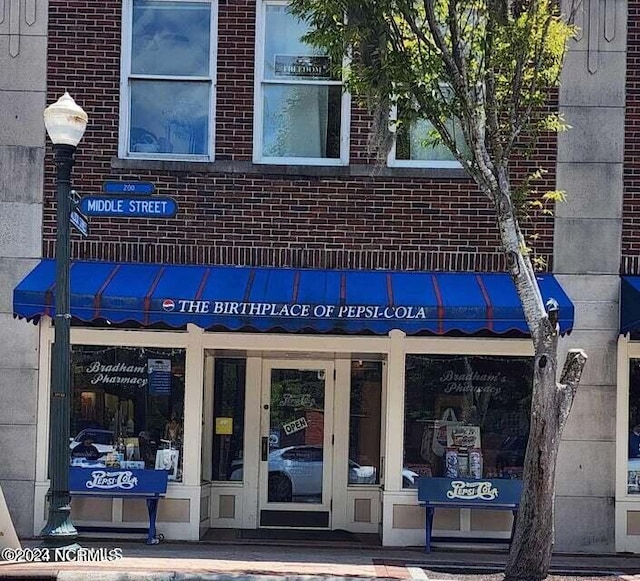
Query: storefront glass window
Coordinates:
[128,408]
[466,416]
[228,414]
[633,464]
[364,422]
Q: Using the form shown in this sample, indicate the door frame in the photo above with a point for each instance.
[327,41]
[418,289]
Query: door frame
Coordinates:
[325,506]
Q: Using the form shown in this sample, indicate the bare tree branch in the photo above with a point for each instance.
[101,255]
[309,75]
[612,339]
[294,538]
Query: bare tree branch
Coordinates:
[569,381]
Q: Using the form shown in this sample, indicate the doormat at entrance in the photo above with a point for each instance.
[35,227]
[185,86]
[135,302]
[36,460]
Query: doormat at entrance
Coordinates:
[307,536]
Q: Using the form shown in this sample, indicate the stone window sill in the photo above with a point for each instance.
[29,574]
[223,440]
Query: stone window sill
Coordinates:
[247,167]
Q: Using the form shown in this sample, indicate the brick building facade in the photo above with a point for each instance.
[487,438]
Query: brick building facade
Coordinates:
[362,215]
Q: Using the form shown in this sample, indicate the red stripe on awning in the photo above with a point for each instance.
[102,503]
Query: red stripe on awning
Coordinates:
[390,290]
[436,290]
[98,297]
[203,284]
[487,300]
[147,297]
[49,295]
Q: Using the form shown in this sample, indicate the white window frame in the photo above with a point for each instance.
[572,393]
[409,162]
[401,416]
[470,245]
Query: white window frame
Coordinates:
[345,113]
[126,77]
[392,161]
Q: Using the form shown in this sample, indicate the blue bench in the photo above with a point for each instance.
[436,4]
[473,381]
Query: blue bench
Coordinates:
[467,493]
[122,483]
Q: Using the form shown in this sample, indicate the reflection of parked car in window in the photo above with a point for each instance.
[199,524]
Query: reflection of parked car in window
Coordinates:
[102,440]
[296,472]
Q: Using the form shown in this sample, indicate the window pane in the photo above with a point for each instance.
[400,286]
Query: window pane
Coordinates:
[228,413]
[633,467]
[128,406]
[169,117]
[170,38]
[285,55]
[364,422]
[302,121]
[466,416]
[412,142]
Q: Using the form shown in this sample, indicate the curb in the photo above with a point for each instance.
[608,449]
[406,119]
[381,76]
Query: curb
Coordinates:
[175,576]
[490,568]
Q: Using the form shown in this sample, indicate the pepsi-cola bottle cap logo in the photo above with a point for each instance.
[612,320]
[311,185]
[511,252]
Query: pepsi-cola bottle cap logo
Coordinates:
[168,305]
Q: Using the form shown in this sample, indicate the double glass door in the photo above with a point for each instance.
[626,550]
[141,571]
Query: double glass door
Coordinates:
[296,443]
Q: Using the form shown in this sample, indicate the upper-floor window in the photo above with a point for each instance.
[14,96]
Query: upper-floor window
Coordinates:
[301,111]
[167,87]
[415,146]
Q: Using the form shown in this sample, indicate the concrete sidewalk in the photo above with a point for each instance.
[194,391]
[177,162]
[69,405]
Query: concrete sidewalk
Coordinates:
[223,562]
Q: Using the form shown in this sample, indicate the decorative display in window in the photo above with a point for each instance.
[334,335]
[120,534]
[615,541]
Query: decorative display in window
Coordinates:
[127,408]
[466,416]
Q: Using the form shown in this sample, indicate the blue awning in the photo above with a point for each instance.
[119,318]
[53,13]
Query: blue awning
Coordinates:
[629,304]
[265,299]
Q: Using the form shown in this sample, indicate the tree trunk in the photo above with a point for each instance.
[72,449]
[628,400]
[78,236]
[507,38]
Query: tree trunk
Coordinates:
[532,544]
[530,555]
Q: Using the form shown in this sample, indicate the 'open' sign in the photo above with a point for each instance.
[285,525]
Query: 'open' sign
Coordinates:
[295,426]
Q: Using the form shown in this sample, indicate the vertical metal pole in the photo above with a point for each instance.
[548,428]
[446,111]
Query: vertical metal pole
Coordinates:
[59,530]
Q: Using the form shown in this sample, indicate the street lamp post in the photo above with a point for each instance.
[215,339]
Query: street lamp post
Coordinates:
[65,122]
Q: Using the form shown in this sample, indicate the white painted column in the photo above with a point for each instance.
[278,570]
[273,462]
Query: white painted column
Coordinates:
[623,542]
[340,481]
[192,430]
[394,437]
[207,418]
[193,397]
[394,418]
[251,462]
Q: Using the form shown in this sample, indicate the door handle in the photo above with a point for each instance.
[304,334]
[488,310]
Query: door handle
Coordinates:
[265,448]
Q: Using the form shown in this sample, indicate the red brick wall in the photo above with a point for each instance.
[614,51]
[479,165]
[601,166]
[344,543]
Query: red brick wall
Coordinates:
[631,199]
[234,103]
[362,222]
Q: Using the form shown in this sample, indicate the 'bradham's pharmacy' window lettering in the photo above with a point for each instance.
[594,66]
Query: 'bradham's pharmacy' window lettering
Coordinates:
[466,417]
[128,408]
[112,374]
[472,382]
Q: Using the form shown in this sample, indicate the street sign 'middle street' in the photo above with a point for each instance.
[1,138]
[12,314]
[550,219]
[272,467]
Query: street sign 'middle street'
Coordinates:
[129,207]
